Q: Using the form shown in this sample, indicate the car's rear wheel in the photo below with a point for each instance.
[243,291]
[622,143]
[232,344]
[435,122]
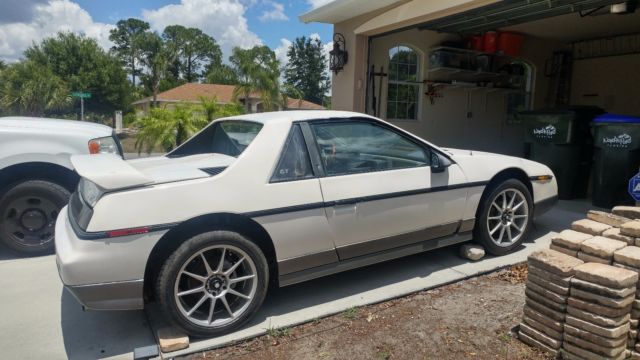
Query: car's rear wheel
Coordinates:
[213,283]
[28,213]
[504,217]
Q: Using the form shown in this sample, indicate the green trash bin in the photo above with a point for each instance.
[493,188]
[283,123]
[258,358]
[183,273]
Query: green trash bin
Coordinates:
[561,139]
[616,158]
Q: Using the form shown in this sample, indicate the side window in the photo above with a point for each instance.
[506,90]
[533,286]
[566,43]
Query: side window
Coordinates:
[294,163]
[359,146]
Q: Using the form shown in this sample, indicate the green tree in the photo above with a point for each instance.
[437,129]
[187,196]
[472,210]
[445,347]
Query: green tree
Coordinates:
[258,72]
[191,49]
[28,88]
[154,56]
[221,74]
[84,66]
[307,69]
[126,47]
[2,65]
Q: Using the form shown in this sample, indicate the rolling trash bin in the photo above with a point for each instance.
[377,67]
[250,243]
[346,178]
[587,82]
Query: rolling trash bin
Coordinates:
[616,158]
[561,139]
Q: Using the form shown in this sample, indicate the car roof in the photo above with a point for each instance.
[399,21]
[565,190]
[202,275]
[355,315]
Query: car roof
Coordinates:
[297,115]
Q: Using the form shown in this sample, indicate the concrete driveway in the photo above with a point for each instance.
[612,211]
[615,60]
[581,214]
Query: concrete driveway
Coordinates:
[38,319]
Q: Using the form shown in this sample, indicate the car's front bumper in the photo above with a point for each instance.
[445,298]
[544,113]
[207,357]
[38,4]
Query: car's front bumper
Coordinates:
[103,274]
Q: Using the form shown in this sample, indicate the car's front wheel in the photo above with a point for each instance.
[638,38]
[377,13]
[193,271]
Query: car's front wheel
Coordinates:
[28,212]
[213,283]
[504,217]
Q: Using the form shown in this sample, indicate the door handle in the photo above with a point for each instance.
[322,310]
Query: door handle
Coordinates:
[345,202]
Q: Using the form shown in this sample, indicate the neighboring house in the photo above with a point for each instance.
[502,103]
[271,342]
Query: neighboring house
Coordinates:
[193,92]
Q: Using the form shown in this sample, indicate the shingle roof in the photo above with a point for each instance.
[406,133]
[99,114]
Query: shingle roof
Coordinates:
[224,93]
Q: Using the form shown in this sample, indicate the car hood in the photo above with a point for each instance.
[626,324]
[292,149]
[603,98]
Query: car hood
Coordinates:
[40,125]
[111,172]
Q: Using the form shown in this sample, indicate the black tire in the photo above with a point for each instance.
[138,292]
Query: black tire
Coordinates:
[481,230]
[28,212]
[169,274]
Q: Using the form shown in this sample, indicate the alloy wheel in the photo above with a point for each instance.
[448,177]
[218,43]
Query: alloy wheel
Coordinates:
[508,217]
[215,286]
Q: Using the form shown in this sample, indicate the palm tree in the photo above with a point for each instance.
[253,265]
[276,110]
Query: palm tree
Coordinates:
[155,57]
[291,91]
[258,72]
[167,128]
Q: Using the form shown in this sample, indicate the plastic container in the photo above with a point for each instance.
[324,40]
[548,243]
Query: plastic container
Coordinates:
[561,139]
[616,158]
[477,43]
[510,43]
[490,42]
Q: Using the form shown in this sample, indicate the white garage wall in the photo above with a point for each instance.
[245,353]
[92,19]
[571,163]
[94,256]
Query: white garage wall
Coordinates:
[612,83]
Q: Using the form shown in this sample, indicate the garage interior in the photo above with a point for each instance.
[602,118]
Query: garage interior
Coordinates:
[572,54]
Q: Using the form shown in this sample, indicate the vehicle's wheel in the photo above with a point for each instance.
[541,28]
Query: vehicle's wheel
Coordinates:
[28,212]
[213,283]
[504,217]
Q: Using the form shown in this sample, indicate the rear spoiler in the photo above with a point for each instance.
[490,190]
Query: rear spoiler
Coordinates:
[108,171]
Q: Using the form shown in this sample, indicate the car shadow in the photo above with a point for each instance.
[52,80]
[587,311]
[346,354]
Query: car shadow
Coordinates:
[101,334]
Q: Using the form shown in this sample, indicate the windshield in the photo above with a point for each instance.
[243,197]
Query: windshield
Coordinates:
[229,137]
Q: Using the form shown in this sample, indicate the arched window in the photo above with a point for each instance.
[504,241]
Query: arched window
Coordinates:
[403,93]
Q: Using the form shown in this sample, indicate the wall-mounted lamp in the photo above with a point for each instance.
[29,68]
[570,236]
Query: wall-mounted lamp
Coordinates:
[338,56]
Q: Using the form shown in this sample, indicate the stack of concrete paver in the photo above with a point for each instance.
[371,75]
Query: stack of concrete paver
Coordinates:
[546,295]
[598,312]
[629,258]
[568,242]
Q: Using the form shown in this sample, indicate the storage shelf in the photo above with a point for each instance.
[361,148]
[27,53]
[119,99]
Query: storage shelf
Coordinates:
[444,73]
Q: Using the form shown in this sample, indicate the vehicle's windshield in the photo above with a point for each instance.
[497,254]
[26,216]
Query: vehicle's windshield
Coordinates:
[229,137]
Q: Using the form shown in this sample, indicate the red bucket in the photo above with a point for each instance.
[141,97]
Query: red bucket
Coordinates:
[490,41]
[510,43]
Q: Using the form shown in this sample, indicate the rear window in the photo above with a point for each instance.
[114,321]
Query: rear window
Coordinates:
[230,137]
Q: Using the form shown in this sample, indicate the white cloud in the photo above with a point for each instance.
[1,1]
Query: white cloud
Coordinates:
[275,14]
[223,19]
[317,3]
[281,51]
[46,20]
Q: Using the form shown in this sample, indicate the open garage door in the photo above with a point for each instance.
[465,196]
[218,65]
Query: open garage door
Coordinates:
[513,12]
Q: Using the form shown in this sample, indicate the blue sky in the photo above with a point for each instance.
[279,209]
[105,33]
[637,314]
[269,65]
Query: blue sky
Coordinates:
[232,23]
[271,32]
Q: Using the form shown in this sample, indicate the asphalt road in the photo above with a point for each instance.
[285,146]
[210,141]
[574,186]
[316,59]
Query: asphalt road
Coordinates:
[40,320]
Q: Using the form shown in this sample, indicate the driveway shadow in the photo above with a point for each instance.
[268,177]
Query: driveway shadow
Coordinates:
[101,334]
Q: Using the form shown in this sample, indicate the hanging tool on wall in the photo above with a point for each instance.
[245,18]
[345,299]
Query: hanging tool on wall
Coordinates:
[376,100]
[433,91]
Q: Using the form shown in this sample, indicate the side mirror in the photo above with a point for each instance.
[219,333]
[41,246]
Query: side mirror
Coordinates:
[439,163]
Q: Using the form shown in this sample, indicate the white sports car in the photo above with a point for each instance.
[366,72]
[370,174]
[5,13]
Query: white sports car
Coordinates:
[279,198]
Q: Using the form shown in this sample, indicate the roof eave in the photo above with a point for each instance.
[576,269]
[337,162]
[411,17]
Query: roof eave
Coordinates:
[341,10]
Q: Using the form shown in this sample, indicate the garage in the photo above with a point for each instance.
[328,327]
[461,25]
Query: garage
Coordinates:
[554,81]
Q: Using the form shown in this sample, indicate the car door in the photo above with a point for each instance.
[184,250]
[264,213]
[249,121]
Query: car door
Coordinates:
[379,190]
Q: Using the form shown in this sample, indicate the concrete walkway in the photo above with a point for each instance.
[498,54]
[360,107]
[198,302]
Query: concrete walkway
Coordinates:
[39,320]
[330,295]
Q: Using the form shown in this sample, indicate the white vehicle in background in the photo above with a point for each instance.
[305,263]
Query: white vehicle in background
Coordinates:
[279,198]
[36,175]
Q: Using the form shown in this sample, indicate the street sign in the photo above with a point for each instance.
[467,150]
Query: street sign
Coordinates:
[81,94]
[634,187]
